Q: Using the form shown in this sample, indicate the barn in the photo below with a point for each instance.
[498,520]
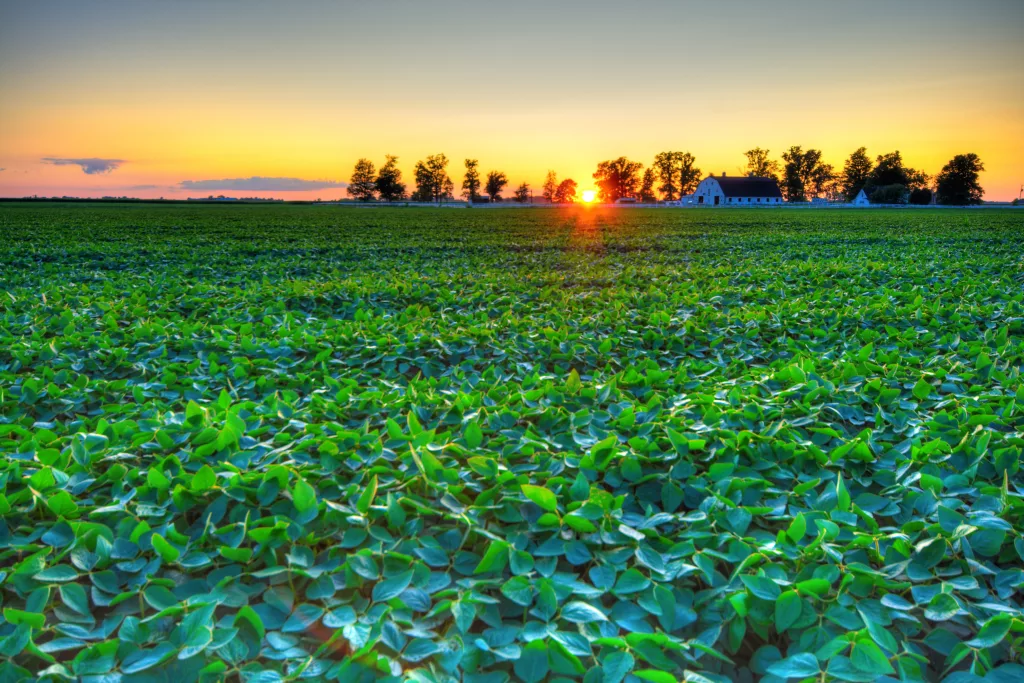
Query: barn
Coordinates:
[737,191]
[861,199]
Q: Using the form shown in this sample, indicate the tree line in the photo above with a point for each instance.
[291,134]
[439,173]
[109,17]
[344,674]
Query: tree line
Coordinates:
[801,174]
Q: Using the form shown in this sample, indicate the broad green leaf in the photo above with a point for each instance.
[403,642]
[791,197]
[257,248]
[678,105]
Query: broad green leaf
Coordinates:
[544,498]
[167,551]
[204,479]
[303,496]
[787,610]
[367,496]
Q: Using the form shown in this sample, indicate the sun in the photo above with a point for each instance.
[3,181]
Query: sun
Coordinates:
[589,196]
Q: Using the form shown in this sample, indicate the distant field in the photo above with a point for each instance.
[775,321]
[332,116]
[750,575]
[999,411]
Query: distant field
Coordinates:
[259,443]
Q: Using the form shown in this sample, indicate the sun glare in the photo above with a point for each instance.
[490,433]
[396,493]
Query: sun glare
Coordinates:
[589,196]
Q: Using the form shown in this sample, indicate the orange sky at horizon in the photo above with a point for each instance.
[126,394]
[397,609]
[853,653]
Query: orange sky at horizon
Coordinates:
[229,95]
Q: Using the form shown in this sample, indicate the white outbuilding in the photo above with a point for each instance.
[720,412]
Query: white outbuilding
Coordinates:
[861,199]
[737,191]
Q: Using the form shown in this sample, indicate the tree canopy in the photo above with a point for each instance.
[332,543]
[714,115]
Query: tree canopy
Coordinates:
[760,166]
[957,183]
[890,172]
[496,182]
[361,185]
[471,182]
[677,174]
[388,184]
[856,173]
[522,193]
[617,178]
[805,173]
[566,192]
[432,181]
[647,187]
[550,186]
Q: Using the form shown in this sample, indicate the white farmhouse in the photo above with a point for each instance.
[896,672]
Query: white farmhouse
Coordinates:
[737,191]
[861,199]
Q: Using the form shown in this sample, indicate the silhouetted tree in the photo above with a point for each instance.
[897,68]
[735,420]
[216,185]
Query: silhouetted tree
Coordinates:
[676,173]
[566,192]
[471,183]
[856,173]
[389,185]
[803,171]
[522,193]
[888,171]
[550,186]
[617,178]
[895,193]
[957,183]
[760,166]
[922,196]
[647,187]
[824,181]
[361,185]
[496,182]
[432,181]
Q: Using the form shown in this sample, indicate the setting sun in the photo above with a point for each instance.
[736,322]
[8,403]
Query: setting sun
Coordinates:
[589,196]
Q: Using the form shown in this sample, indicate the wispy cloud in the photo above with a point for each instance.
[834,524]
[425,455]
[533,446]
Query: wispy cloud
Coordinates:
[90,166]
[261,184]
[143,187]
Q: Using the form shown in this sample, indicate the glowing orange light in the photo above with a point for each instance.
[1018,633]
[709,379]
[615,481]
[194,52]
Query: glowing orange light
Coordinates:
[589,196]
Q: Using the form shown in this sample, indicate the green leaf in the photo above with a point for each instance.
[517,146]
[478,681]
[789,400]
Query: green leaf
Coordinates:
[580,489]
[541,496]
[464,614]
[532,665]
[993,632]
[797,528]
[494,559]
[242,555]
[870,659]
[75,597]
[582,613]
[473,435]
[942,607]
[366,498]
[62,505]
[17,616]
[655,676]
[802,665]
[141,660]
[204,479]
[842,495]
[58,574]
[630,581]
[390,588]
[615,666]
[787,610]
[519,590]
[167,551]
[761,587]
[573,383]
[303,496]
[922,389]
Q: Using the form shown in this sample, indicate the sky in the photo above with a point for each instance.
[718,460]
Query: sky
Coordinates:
[252,98]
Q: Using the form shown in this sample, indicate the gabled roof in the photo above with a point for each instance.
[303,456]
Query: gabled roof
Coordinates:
[748,186]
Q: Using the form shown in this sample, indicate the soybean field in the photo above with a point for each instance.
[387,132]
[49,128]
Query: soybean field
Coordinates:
[309,443]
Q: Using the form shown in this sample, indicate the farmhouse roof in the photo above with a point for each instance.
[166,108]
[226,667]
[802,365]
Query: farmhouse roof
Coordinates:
[748,186]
